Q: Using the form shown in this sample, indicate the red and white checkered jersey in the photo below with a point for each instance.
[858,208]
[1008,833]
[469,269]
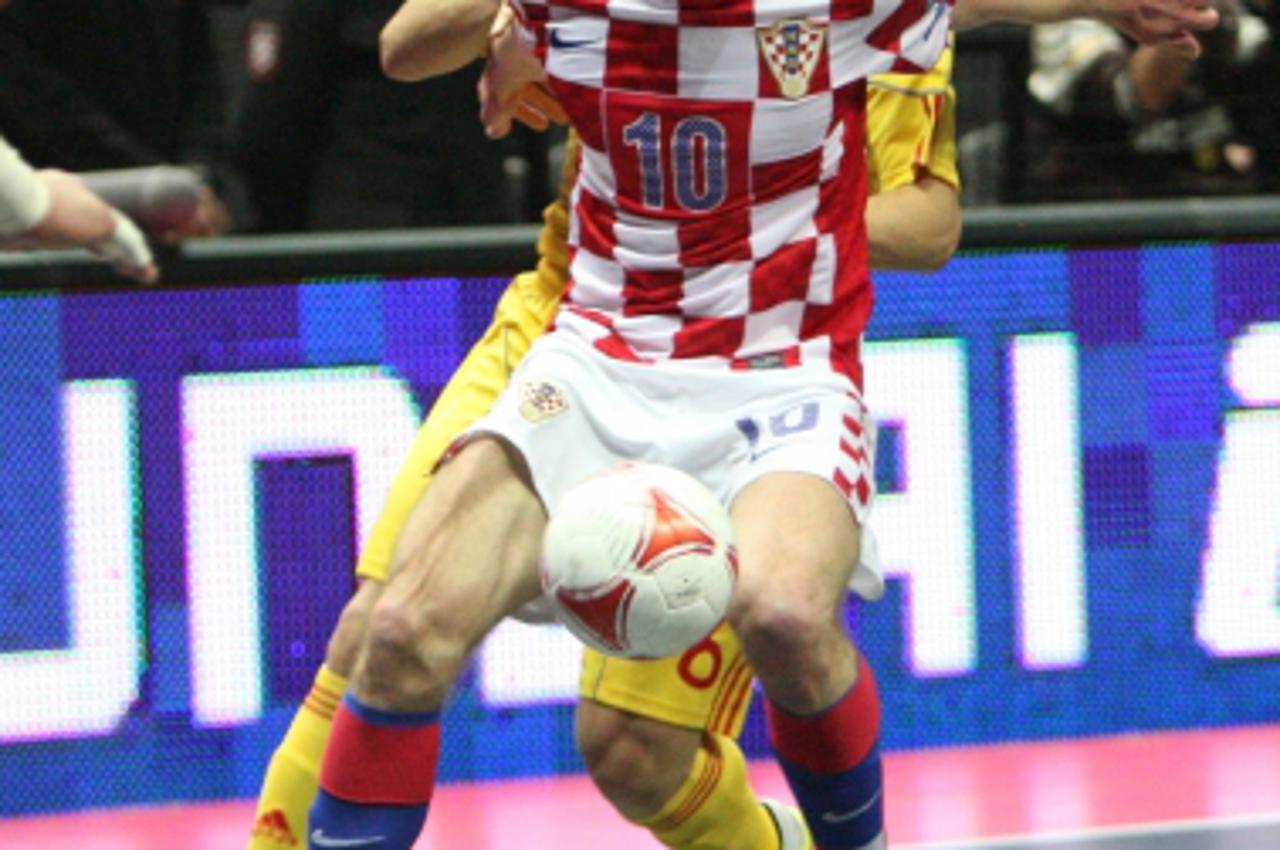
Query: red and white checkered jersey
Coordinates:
[718,212]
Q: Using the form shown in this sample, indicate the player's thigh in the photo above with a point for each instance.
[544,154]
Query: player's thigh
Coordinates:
[707,687]
[798,544]
[468,554]
[476,385]
[520,316]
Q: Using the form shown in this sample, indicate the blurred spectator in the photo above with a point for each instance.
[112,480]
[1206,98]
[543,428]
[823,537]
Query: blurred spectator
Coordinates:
[109,84]
[1114,120]
[327,142]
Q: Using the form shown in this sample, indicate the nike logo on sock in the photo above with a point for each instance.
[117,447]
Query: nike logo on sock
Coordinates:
[319,839]
[841,817]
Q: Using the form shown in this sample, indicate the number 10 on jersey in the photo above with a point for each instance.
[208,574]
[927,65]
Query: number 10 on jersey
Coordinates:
[694,169]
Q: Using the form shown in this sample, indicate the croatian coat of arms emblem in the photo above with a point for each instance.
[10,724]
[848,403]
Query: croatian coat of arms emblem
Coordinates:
[541,400]
[791,48]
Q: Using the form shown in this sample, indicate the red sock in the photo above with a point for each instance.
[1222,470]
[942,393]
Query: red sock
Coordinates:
[377,778]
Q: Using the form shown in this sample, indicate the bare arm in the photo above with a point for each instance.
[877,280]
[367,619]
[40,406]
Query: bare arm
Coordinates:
[1168,22]
[974,13]
[427,38]
[916,226]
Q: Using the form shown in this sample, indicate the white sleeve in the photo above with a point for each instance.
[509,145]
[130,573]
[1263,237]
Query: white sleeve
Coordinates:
[24,199]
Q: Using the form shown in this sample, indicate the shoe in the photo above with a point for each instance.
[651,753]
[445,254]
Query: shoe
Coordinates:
[793,832]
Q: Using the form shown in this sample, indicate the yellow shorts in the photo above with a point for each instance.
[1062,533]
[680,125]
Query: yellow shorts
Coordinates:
[709,687]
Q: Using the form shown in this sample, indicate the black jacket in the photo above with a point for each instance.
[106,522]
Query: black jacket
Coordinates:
[326,141]
[96,84]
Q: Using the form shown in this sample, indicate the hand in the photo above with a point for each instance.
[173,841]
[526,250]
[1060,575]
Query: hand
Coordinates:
[1171,24]
[127,250]
[538,108]
[209,218]
[510,87]
[76,217]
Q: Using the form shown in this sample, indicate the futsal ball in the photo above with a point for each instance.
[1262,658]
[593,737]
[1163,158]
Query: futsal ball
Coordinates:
[639,561]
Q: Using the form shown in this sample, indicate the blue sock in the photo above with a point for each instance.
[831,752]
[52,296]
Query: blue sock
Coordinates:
[339,823]
[844,810]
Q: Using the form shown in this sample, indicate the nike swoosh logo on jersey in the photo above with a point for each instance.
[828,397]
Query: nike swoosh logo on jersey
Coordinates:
[841,817]
[319,839]
[559,42]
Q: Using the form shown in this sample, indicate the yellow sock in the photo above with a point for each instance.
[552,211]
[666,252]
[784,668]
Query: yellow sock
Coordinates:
[294,772]
[715,808]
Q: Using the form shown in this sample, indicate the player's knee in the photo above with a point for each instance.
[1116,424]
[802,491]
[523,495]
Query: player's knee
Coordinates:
[344,644]
[638,764]
[407,659]
[781,632]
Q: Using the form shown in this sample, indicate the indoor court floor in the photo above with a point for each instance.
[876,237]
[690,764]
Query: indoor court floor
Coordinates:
[1202,790]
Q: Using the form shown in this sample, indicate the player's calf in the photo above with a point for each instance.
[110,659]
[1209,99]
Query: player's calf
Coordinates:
[637,763]
[687,787]
[379,767]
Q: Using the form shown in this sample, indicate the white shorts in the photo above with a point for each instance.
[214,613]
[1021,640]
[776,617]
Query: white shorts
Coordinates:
[571,411]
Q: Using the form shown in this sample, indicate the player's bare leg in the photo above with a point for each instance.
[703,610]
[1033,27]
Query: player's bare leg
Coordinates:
[466,559]
[293,774]
[344,644]
[688,787]
[638,763]
[798,542]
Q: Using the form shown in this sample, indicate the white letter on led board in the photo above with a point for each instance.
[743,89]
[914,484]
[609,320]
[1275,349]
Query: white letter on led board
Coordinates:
[1238,614]
[87,688]
[925,531]
[1049,550]
[229,421]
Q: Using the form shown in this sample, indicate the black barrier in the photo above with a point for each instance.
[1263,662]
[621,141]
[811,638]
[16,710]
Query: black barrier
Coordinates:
[505,249]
